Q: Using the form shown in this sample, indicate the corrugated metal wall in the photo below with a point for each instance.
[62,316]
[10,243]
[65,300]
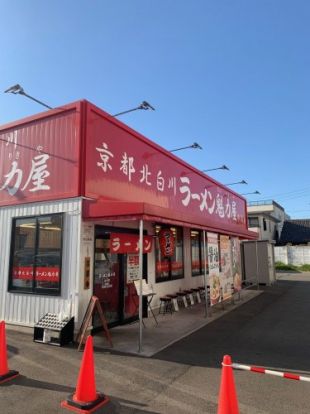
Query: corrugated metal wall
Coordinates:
[26,309]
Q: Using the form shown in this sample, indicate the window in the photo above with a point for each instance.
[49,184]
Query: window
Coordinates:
[253,222]
[196,250]
[265,224]
[169,266]
[35,262]
[198,254]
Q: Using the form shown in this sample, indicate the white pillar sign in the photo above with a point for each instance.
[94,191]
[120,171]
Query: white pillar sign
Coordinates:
[226,269]
[214,268]
[236,263]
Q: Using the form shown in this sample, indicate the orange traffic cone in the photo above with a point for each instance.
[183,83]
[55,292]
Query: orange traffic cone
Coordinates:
[5,374]
[86,399]
[228,403]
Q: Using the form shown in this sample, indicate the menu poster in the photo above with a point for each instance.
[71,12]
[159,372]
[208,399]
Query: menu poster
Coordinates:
[214,268]
[88,233]
[236,263]
[132,267]
[226,276]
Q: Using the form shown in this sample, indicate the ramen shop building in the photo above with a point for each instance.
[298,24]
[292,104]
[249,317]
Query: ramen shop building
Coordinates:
[74,185]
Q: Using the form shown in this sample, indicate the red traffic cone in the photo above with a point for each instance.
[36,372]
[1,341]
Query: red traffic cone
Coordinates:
[228,403]
[5,374]
[86,399]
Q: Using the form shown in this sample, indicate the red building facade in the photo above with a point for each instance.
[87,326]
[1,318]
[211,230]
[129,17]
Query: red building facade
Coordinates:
[74,182]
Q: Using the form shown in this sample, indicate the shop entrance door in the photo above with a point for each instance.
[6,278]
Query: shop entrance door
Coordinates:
[107,281]
[112,281]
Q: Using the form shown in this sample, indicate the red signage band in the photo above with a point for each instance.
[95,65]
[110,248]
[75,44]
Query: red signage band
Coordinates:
[42,274]
[122,165]
[33,152]
[129,243]
[105,160]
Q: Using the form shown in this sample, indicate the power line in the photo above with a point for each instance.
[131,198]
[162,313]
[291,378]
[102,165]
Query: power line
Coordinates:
[294,197]
[297,211]
[288,192]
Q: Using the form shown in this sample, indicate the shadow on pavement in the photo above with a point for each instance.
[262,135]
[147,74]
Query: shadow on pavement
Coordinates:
[270,331]
[118,404]
[131,407]
[12,350]
[24,381]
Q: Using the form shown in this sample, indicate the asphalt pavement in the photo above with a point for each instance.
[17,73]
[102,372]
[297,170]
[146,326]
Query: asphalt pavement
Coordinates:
[271,330]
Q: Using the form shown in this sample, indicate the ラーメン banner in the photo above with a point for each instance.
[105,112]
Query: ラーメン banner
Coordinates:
[226,271]
[236,263]
[214,268]
[129,243]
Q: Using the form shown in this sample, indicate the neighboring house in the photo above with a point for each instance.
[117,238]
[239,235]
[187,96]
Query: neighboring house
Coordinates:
[294,244]
[266,218]
[295,232]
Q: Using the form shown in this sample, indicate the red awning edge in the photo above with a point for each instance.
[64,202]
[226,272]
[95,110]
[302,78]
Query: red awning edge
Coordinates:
[128,211]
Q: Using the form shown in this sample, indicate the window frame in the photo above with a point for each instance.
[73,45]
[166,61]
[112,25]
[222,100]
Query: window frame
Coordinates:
[201,269]
[34,290]
[254,219]
[264,224]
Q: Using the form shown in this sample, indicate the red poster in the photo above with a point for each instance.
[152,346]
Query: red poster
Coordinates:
[162,267]
[23,272]
[129,243]
[176,265]
[166,242]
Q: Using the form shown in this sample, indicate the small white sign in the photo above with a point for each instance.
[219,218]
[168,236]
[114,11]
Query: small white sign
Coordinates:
[88,233]
[132,267]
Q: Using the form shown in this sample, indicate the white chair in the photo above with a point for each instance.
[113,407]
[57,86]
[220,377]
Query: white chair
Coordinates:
[148,292]
[146,288]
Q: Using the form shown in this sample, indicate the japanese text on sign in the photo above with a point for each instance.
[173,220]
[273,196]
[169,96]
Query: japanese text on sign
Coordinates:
[129,243]
[15,179]
[206,200]
[42,274]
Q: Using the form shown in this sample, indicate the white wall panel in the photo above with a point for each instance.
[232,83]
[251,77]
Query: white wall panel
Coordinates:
[26,309]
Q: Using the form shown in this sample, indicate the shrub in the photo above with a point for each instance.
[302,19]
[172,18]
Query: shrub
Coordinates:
[283,266]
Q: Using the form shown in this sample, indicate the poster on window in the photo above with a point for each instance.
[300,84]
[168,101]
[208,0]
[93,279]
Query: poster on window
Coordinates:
[226,274]
[214,268]
[42,274]
[236,263]
[132,267]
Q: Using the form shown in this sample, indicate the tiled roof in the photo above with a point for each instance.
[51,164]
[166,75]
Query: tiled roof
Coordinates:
[295,232]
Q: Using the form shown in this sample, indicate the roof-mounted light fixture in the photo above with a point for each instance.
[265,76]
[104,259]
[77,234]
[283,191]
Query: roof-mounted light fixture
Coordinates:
[254,192]
[194,145]
[18,90]
[144,105]
[223,167]
[239,182]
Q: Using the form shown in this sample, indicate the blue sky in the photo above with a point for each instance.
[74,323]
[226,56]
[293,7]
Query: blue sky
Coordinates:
[233,76]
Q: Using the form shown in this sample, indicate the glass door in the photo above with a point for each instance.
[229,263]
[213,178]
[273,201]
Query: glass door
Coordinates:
[107,281]
[113,280]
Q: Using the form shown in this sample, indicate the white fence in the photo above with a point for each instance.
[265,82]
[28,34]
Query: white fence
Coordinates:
[295,255]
